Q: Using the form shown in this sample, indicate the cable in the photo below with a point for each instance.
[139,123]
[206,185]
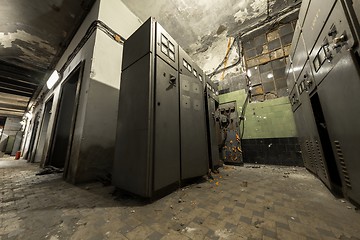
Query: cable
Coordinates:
[97,24]
[218,70]
[272,19]
[220,64]
[226,58]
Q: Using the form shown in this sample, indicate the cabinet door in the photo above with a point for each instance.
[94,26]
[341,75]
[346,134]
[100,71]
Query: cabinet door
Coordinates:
[166,132]
[194,161]
[339,96]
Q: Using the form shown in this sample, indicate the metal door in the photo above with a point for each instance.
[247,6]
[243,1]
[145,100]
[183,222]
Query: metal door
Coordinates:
[334,41]
[213,148]
[167,134]
[315,19]
[339,96]
[193,128]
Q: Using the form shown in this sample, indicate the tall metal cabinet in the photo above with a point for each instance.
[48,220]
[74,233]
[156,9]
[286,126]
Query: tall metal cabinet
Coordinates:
[194,155]
[161,134]
[213,128]
[325,92]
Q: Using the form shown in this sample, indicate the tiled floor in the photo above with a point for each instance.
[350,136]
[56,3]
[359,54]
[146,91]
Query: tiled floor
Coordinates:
[240,203]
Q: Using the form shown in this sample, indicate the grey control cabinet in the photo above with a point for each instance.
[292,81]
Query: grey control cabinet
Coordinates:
[161,133]
[213,127]
[194,155]
[147,154]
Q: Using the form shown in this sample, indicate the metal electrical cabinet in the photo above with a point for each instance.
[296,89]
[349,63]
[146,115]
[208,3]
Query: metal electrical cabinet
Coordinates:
[229,121]
[161,134]
[194,155]
[147,155]
[327,107]
[212,105]
[339,97]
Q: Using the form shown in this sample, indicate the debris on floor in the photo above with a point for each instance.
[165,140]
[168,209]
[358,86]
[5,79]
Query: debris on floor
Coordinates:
[253,166]
[50,170]
[244,184]
[226,211]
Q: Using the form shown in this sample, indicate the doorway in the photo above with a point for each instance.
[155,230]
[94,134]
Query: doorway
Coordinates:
[43,131]
[65,120]
[28,155]
[332,168]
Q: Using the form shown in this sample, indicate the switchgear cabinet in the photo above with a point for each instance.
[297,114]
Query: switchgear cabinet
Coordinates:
[161,133]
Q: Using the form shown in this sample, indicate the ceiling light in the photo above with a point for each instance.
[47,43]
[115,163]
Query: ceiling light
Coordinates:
[270,75]
[52,79]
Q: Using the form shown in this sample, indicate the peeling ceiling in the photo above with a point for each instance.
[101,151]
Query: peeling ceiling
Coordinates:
[33,35]
[197,25]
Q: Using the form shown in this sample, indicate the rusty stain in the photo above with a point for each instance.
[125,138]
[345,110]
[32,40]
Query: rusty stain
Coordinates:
[265,48]
[277,54]
[272,35]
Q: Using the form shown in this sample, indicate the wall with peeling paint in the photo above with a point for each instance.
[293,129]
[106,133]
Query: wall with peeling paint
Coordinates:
[85,54]
[101,111]
[270,135]
[269,119]
[94,134]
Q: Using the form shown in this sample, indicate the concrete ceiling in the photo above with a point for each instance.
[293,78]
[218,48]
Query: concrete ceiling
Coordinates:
[33,35]
[197,24]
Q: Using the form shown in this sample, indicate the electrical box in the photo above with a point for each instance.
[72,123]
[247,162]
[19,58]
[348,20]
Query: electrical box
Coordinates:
[228,118]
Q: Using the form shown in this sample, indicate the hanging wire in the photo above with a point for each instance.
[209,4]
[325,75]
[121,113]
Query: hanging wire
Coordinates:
[236,43]
[226,58]
[97,24]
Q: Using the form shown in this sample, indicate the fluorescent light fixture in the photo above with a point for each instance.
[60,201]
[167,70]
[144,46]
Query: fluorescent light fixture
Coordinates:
[52,79]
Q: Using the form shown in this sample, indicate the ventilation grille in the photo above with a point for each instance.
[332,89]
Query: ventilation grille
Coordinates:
[342,163]
[321,159]
[314,154]
[309,153]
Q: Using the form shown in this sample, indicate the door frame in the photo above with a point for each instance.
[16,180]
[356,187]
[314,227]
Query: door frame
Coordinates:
[80,67]
[33,154]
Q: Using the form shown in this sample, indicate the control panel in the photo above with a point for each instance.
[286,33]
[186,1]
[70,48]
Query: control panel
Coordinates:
[294,98]
[166,47]
[335,40]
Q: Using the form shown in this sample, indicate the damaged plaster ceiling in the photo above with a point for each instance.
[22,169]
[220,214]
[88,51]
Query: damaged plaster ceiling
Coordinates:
[202,27]
[33,35]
